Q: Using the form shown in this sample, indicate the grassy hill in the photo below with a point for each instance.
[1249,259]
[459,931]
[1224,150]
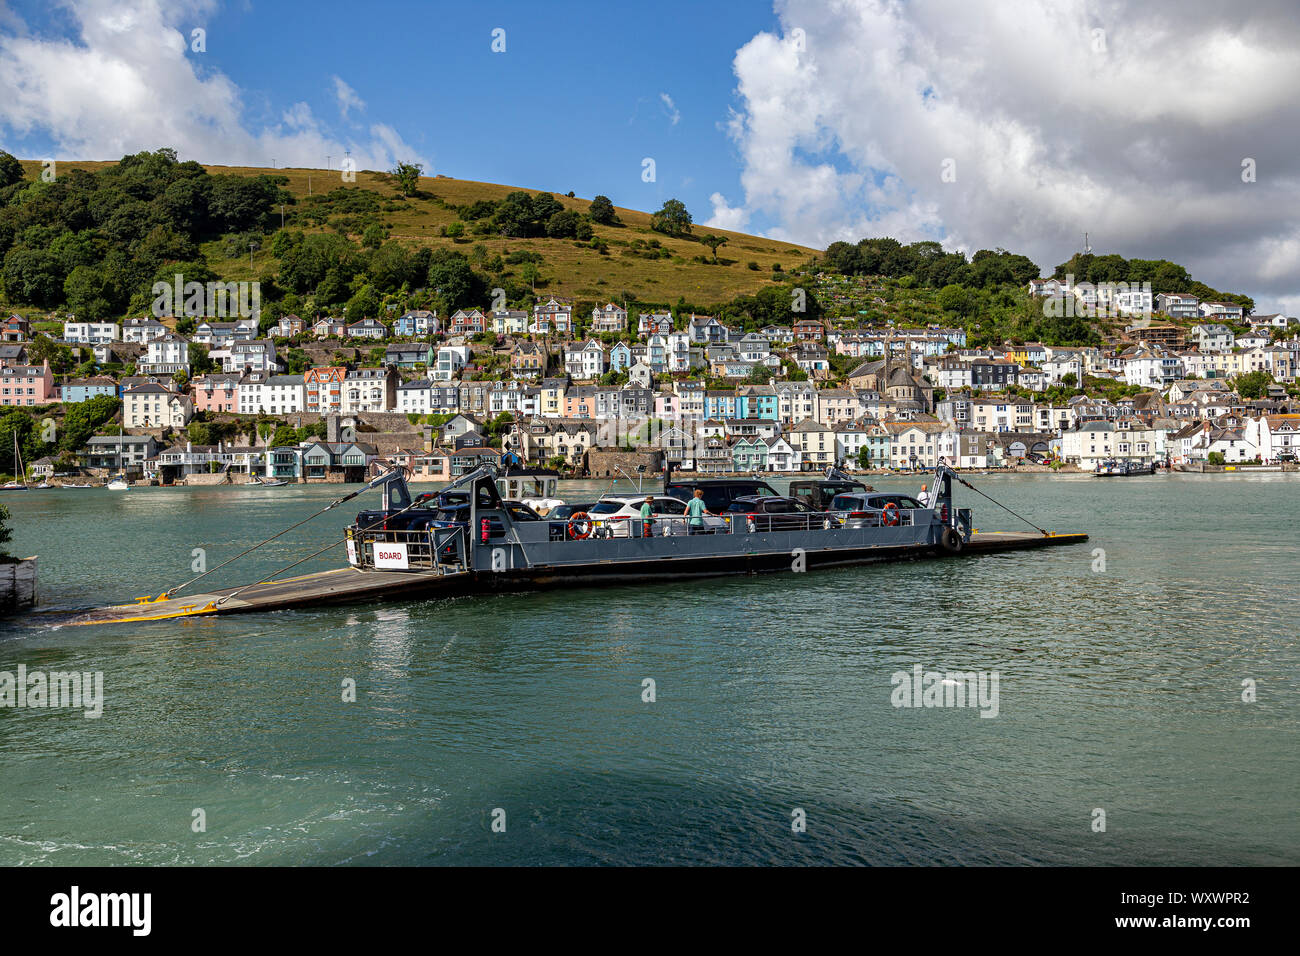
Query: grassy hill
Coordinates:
[567,268]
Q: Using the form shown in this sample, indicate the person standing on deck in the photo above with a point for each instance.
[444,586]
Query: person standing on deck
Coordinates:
[647,521]
[696,510]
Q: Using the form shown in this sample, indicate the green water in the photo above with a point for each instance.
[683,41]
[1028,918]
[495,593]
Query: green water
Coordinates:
[1120,690]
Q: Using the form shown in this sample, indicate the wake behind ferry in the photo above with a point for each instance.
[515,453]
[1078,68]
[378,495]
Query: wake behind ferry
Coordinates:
[470,539]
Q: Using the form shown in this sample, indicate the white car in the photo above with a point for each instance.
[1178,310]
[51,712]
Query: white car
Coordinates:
[613,516]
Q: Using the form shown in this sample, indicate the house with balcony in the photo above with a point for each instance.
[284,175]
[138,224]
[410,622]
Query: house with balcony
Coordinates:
[655,323]
[324,389]
[142,330]
[288,326]
[256,356]
[416,324]
[1178,305]
[449,361]
[408,355]
[338,461]
[370,390]
[119,453]
[329,327]
[553,315]
[91,333]
[166,355]
[1212,337]
[371,329]
[586,362]
[509,322]
[609,318]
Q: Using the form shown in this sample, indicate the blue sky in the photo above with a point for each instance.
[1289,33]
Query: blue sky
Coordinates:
[1055,115]
[575,102]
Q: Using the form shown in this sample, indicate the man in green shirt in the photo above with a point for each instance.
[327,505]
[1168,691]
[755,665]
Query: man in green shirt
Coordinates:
[696,510]
[647,510]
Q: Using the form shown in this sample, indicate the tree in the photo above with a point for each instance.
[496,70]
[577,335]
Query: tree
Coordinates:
[673,219]
[1253,384]
[200,363]
[11,171]
[406,177]
[365,304]
[602,211]
[563,224]
[91,294]
[713,242]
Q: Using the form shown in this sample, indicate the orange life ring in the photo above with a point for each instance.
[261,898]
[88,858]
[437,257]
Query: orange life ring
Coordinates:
[889,514]
[585,520]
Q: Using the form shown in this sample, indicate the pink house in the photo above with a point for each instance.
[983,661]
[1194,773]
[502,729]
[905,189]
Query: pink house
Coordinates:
[215,393]
[27,385]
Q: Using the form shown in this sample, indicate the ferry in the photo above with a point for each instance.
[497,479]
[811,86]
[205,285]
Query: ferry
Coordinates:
[469,539]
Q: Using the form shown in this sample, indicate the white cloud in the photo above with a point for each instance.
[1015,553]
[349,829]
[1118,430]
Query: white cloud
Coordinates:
[128,82]
[1135,135]
[674,114]
[347,98]
[725,216]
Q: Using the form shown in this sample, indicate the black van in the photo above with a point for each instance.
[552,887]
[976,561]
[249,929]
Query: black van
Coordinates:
[719,493]
[818,492]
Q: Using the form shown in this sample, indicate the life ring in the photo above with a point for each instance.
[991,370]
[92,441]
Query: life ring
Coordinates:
[951,541]
[889,515]
[580,517]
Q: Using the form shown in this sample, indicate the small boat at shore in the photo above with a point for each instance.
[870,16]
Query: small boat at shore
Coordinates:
[20,472]
[1123,469]
[258,481]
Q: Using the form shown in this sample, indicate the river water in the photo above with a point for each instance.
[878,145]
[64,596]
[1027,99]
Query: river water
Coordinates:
[1121,675]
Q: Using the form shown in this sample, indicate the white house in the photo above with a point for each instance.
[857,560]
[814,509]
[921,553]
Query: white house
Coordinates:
[165,355]
[1213,337]
[272,394]
[451,359]
[142,330]
[415,398]
[91,333]
[155,406]
[587,361]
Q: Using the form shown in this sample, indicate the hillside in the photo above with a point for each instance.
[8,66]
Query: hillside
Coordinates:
[567,267]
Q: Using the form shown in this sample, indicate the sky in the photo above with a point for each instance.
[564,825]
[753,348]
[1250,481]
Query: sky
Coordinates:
[1162,129]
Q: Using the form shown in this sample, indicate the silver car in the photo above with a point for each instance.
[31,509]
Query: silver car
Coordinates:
[875,509]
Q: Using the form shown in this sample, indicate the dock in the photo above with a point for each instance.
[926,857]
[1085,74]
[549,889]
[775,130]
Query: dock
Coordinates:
[351,585]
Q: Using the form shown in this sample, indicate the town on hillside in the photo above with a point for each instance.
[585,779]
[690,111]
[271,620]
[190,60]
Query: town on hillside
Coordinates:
[1185,383]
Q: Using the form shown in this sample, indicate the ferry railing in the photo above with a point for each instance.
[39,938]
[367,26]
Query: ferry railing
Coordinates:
[435,549]
[632,526]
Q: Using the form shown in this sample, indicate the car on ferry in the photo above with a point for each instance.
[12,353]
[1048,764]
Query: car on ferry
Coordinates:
[820,492]
[778,513]
[719,493]
[873,510]
[567,511]
[613,516]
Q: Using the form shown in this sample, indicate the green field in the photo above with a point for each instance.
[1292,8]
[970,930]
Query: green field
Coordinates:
[569,268]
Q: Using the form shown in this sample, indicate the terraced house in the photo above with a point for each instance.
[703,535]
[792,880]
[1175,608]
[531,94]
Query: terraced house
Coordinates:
[26,385]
